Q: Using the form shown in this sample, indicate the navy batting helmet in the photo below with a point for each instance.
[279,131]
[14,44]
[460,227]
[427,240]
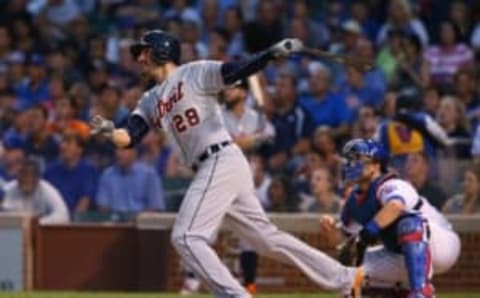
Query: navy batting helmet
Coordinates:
[165,47]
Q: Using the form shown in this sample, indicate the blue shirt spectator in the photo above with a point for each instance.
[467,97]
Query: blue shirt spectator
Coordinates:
[35,88]
[39,142]
[326,106]
[293,125]
[130,186]
[72,175]
[359,92]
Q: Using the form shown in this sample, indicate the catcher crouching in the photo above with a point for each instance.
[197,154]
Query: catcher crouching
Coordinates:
[416,240]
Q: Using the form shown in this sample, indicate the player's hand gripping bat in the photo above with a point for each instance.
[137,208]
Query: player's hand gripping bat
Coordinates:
[294,45]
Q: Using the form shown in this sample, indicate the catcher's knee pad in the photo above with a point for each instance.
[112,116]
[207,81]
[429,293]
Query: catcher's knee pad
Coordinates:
[412,234]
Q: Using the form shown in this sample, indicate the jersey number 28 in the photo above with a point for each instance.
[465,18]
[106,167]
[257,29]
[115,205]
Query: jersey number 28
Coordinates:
[189,118]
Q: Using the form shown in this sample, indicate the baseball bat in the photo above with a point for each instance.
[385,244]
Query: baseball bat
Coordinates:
[365,64]
[256,89]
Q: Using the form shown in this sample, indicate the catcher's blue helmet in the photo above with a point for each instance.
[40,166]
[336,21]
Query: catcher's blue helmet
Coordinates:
[165,47]
[352,150]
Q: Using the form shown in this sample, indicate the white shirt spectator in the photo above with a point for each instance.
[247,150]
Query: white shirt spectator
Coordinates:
[250,123]
[45,201]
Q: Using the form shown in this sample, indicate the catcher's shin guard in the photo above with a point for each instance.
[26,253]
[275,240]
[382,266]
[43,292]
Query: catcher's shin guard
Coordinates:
[413,239]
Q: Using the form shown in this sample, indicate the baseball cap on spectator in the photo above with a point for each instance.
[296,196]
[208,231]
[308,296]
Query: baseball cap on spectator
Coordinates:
[37,60]
[316,66]
[13,141]
[191,16]
[351,26]
[16,57]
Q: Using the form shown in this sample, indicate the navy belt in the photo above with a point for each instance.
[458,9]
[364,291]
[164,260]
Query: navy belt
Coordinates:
[212,149]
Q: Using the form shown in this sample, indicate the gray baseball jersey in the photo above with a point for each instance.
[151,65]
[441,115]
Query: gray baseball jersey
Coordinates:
[185,107]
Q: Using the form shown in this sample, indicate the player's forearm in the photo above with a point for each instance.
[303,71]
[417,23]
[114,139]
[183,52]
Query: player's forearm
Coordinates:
[133,134]
[389,213]
[235,71]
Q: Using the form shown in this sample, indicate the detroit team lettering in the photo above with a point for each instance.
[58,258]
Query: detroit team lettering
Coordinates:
[165,106]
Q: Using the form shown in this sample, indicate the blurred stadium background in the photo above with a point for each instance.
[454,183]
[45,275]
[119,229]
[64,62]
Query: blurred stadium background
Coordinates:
[62,61]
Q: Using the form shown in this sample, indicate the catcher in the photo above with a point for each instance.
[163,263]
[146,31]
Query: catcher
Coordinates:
[417,241]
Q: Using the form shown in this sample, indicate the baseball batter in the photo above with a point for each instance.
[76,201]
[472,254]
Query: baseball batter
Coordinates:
[184,104]
[417,239]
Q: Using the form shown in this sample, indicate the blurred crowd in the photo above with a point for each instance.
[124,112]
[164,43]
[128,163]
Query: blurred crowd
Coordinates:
[63,61]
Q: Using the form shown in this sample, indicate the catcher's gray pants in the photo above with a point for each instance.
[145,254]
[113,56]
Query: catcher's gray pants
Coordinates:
[223,189]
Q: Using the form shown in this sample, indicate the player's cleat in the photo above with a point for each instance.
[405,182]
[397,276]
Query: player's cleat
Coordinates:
[251,288]
[427,292]
[191,286]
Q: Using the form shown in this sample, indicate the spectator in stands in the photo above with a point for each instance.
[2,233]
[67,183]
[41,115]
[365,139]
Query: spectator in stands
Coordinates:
[56,85]
[401,17]
[475,38]
[156,152]
[323,199]
[281,198]
[34,89]
[460,14]
[466,91]
[449,55]
[412,71]
[417,170]
[5,43]
[351,33]
[358,92]
[40,143]
[72,175]
[389,54]
[410,131]
[267,24]
[293,125]
[29,193]
[12,157]
[65,117]
[360,12]
[374,77]
[318,34]
[323,143]
[249,128]
[233,20]
[191,34]
[451,116]
[217,46]
[80,95]
[367,124]
[468,201]
[261,177]
[431,100]
[188,53]
[130,186]
[109,101]
[327,107]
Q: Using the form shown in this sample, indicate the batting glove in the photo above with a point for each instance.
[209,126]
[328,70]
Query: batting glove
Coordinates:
[287,47]
[102,126]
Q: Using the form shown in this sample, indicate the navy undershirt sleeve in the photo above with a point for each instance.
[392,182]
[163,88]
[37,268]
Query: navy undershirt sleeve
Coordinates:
[235,71]
[137,128]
